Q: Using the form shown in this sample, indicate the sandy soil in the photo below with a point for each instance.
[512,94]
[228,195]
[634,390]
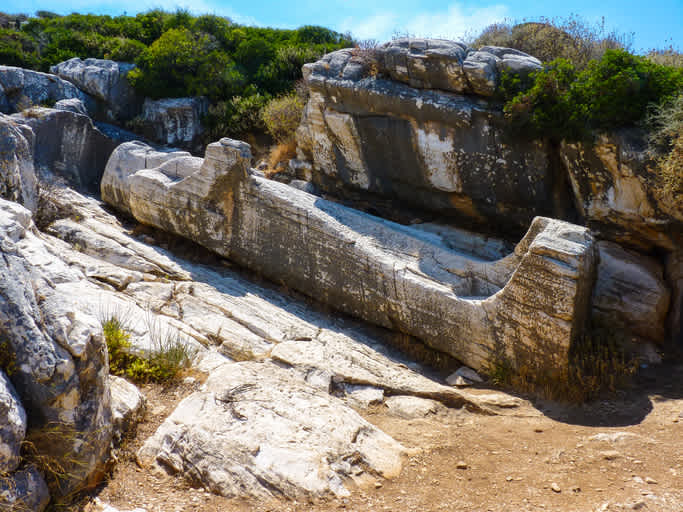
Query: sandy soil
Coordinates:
[621,453]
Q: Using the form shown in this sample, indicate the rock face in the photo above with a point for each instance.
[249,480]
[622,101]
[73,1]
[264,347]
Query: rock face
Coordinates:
[631,293]
[525,308]
[174,121]
[18,181]
[106,81]
[454,155]
[23,88]
[67,144]
[614,184]
[13,427]
[60,361]
[262,431]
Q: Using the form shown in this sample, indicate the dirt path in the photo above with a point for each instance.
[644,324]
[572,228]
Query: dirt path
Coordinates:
[625,453]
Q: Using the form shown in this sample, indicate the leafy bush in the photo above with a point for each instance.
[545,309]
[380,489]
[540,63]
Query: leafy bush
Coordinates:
[282,117]
[235,117]
[614,91]
[569,38]
[17,49]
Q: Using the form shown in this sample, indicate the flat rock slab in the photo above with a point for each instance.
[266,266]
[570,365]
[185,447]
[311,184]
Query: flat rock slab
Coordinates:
[260,430]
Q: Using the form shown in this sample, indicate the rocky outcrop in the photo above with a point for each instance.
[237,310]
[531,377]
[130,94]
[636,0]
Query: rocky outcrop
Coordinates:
[525,308]
[22,88]
[58,354]
[617,193]
[174,121]
[58,142]
[434,64]
[261,431]
[106,81]
[423,148]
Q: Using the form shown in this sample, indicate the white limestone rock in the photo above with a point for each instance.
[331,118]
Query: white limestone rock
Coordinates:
[411,407]
[257,430]
[12,423]
[128,406]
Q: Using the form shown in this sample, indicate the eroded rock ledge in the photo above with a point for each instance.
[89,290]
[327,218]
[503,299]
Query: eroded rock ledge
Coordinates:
[525,308]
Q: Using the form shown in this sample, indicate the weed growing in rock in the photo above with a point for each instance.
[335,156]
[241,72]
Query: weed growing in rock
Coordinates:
[50,206]
[168,357]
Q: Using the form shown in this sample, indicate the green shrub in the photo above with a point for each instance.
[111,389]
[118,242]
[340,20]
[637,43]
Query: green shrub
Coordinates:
[617,89]
[182,63]
[17,49]
[236,117]
[612,92]
[282,117]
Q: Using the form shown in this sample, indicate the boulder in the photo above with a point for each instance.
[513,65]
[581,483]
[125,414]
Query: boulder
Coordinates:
[127,406]
[456,156]
[68,145]
[18,181]
[174,121]
[526,308]
[630,293]
[106,81]
[411,407]
[23,490]
[72,105]
[22,88]
[60,359]
[13,426]
[481,70]
[261,431]
[424,63]
[615,186]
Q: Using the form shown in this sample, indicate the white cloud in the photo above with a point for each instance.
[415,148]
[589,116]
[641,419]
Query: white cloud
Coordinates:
[455,22]
[376,26]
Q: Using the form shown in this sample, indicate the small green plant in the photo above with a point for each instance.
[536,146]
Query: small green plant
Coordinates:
[168,357]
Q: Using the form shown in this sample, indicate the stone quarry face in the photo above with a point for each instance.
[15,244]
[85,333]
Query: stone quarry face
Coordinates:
[413,122]
[523,309]
[454,155]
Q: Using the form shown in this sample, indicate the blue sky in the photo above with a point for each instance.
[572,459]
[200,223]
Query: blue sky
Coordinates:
[656,23]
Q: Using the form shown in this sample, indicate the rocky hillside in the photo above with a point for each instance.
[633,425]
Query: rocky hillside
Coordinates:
[283,304]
